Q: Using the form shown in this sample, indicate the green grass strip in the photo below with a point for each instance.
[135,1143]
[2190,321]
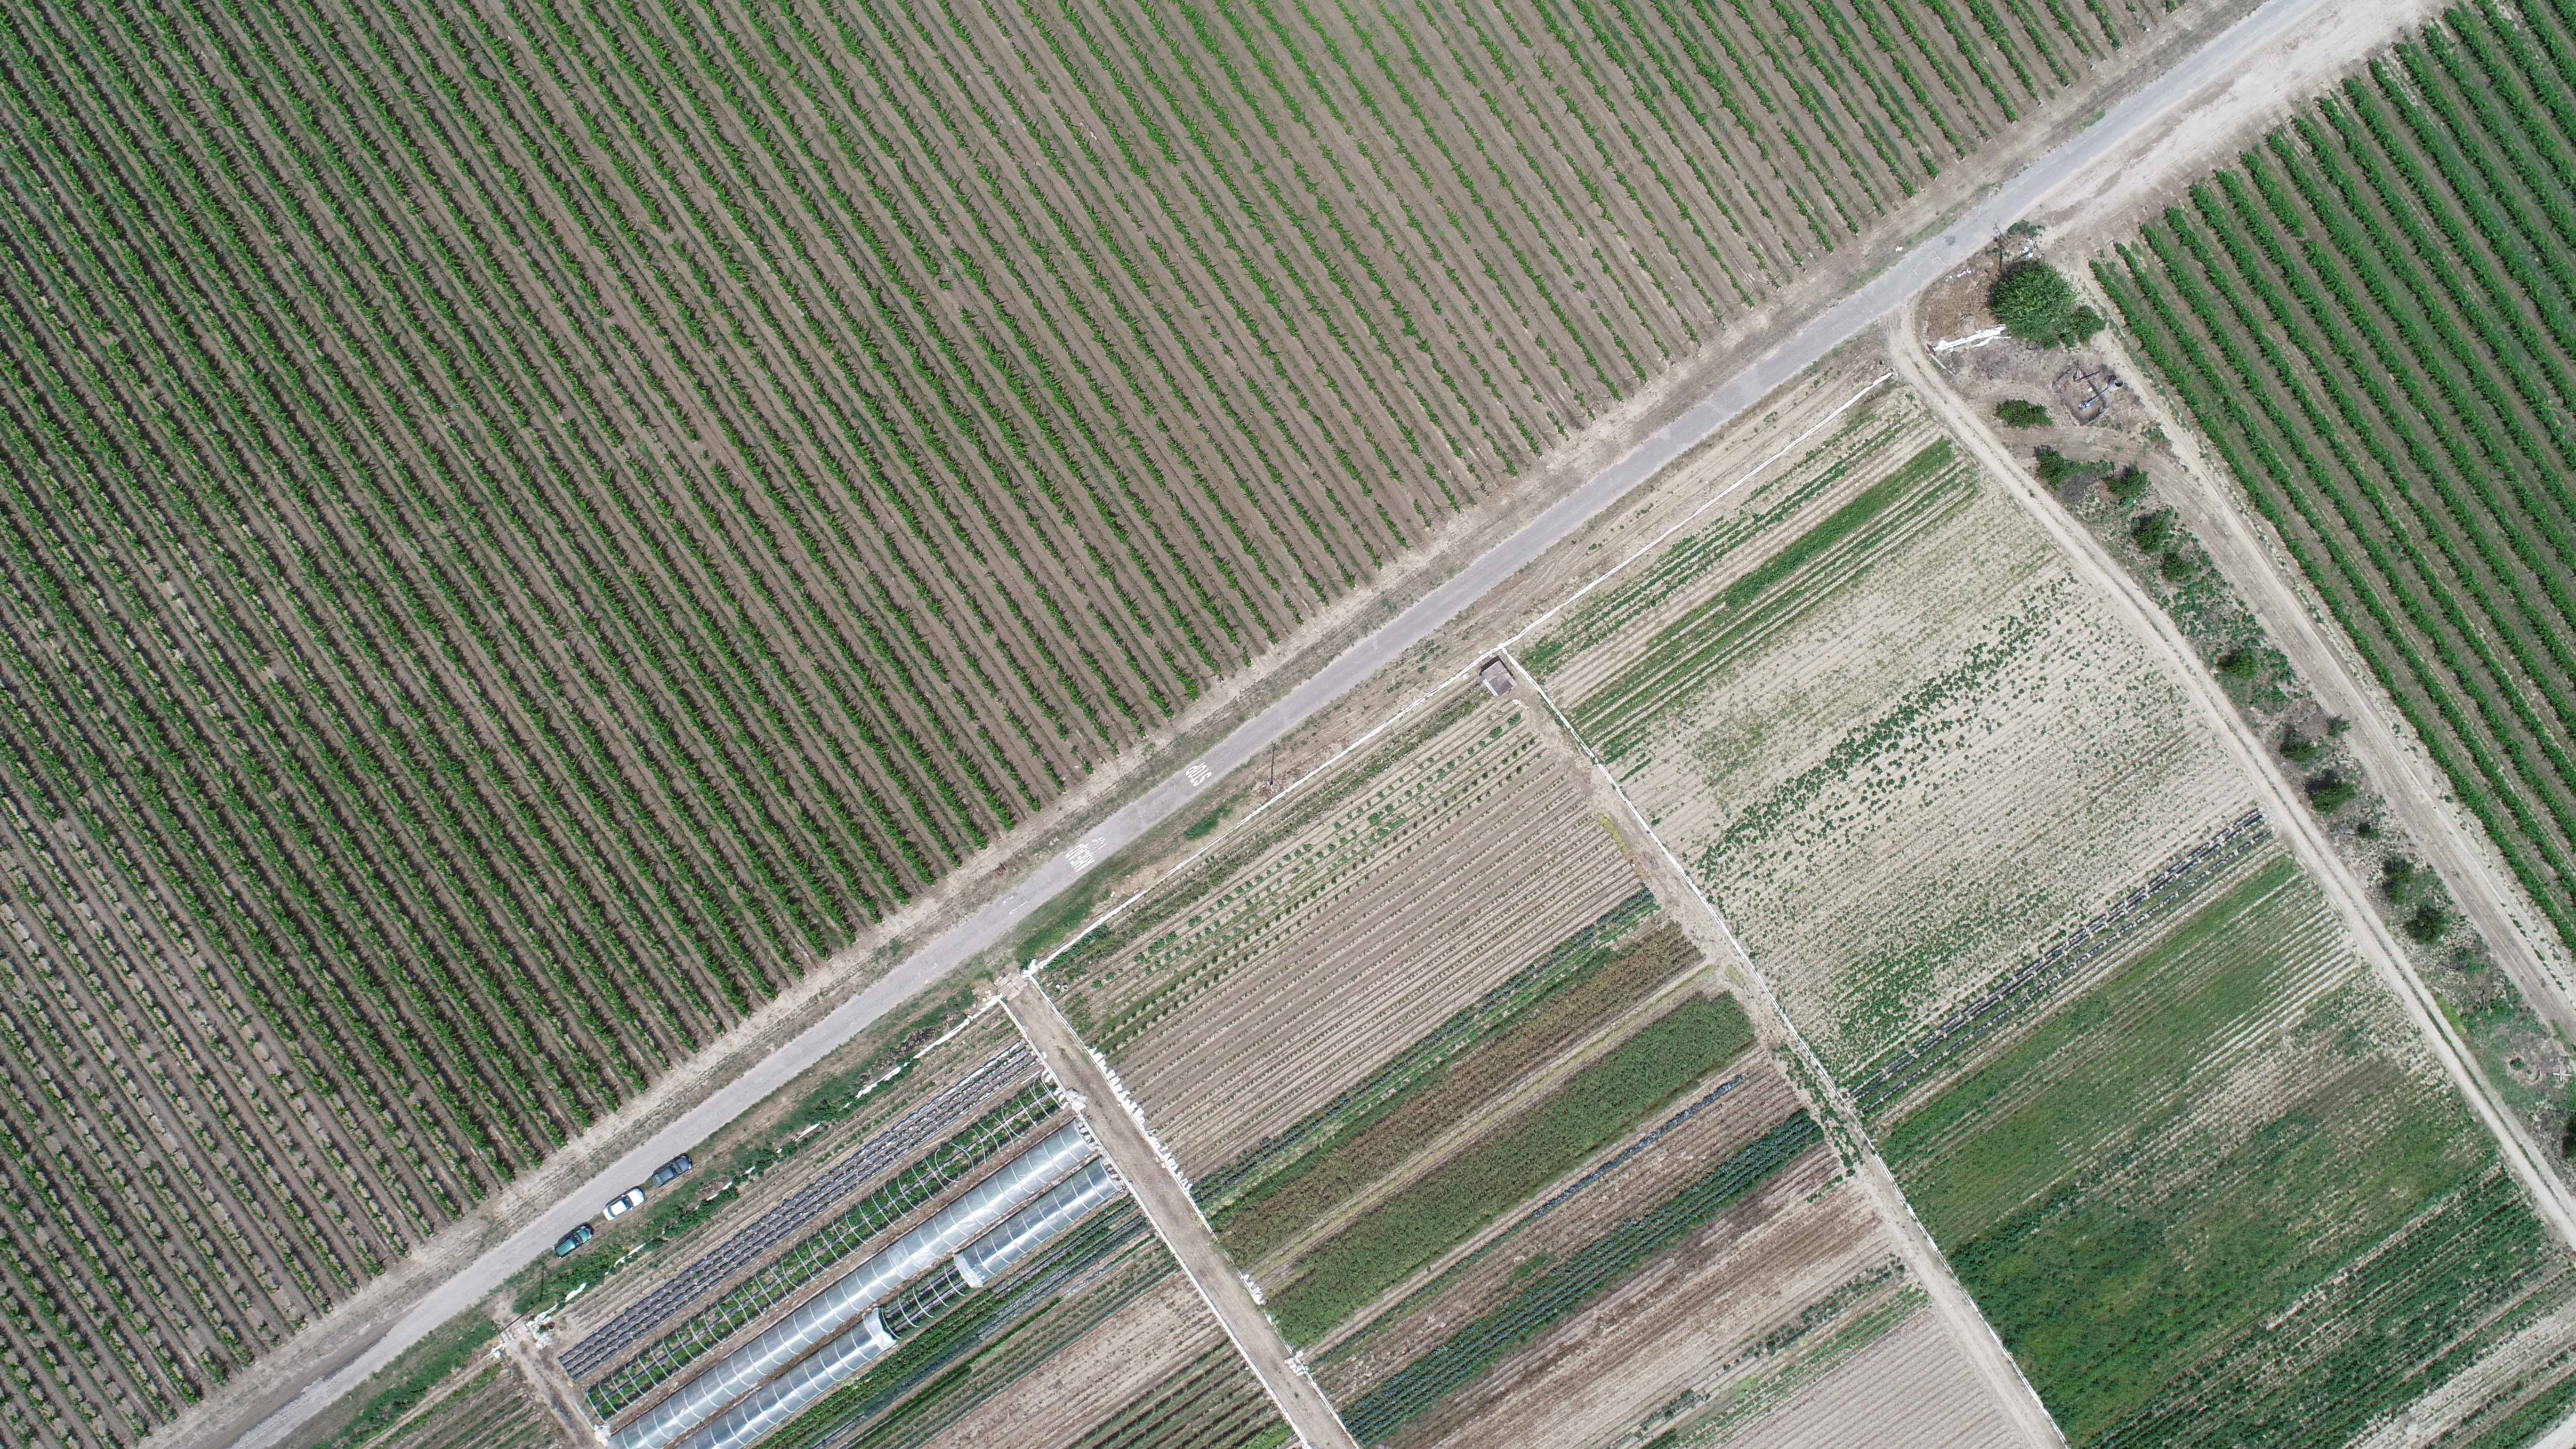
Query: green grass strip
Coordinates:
[1488,1015]
[1374,1144]
[1566,1287]
[1536,1146]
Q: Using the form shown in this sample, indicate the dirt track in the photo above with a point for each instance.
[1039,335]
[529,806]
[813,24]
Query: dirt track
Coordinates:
[2282,803]
[1166,1204]
[2250,557]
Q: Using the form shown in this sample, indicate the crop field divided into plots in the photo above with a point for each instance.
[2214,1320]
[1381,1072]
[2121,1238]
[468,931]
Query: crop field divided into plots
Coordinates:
[2179,1143]
[2374,319]
[531,523]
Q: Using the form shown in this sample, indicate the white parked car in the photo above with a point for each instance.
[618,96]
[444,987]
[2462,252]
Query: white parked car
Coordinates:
[634,1199]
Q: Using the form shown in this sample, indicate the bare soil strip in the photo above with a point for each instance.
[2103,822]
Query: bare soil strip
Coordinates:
[1166,1204]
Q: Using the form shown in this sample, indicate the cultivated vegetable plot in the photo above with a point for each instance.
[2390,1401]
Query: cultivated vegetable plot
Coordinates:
[2372,320]
[1157,1375]
[1896,742]
[2225,1196]
[1419,878]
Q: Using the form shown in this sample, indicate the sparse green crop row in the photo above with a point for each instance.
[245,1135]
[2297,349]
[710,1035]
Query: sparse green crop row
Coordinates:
[2374,318]
[1214,1403]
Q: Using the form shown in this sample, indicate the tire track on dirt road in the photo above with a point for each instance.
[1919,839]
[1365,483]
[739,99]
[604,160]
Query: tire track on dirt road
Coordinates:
[1159,1191]
[299,1379]
[2282,803]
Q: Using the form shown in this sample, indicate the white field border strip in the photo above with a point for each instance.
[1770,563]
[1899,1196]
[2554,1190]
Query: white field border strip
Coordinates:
[1825,1085]
[1468,672]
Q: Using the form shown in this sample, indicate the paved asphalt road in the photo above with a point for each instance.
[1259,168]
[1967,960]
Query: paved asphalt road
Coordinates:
[1910,273]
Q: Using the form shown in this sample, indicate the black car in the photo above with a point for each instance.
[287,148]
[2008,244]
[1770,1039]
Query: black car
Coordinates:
[663,1175]
[572,1240]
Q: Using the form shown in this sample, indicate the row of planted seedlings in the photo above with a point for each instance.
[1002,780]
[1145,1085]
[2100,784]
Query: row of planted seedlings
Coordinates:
[1247,446]
[805,416]
[760,303]
[128,1223]
[1297,885]
[189,1103]
[1088,183]
[768,869]
[318,814]
[720,636]
[764,127]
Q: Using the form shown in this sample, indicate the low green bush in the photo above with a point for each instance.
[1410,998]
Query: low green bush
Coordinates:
[2152,532]
[2016,413]
[2427,924]
[2329,792]
[2129,486]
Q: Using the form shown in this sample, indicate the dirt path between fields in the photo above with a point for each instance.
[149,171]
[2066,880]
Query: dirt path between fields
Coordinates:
[1924,1262]
[1167,1206]
[2282,804]
[2250,556]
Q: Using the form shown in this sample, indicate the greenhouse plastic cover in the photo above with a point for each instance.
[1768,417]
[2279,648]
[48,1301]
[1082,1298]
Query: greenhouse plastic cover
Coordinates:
[1036,1225]
[830,1312]
[800,1386]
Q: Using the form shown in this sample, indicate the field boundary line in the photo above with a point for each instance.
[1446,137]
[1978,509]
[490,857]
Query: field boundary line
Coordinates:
[2299,827]
[1838,1111]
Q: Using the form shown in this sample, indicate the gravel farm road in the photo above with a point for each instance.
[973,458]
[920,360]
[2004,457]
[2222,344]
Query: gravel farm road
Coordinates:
[326,1376]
